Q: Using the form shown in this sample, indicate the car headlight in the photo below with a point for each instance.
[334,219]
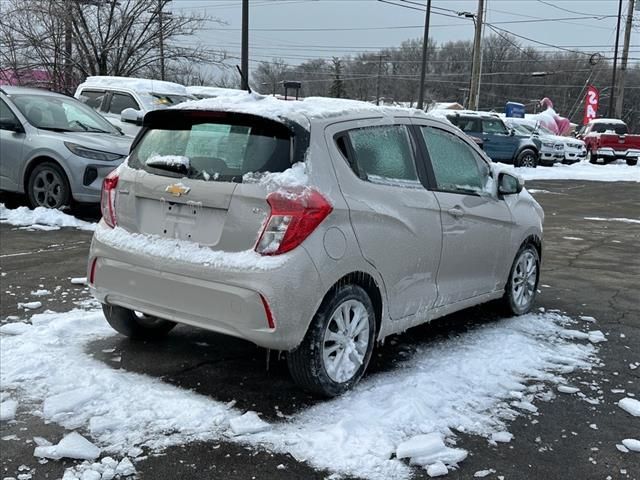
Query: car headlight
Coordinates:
[85,152]
[548,144]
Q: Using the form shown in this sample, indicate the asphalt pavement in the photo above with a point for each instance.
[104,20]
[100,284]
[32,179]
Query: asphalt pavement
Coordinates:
[590,267]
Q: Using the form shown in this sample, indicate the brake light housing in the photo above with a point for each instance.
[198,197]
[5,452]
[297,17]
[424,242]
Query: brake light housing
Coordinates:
[295,214]
[108,199]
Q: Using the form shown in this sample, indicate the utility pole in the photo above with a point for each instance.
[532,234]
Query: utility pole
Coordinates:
[425,49]
[380,57]
[615,61]
[474,88]
[244,54]
[161,13]
[623,62]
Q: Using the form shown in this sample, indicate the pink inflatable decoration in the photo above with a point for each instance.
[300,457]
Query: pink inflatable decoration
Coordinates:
[549,119]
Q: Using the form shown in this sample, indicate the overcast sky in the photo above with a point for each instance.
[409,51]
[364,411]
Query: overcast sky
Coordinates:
[296,30]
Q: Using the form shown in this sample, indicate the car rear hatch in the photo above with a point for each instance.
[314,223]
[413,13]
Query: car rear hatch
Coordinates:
[193,174]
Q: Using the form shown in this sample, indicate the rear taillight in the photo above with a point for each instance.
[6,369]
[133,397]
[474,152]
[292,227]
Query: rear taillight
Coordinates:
[108,198]
[294,216]
[92,271]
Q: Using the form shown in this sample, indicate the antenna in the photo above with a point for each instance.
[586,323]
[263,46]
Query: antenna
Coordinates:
[244,78]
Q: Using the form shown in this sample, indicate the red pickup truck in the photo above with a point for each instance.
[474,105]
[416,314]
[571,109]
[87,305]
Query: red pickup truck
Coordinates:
[608,139]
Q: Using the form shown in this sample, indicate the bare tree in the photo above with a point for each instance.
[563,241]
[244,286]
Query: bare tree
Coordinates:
[109,37]
[268,75]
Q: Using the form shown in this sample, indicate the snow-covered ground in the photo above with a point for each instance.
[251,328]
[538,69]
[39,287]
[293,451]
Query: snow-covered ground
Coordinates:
[475,383]
[613,172]
[41,219]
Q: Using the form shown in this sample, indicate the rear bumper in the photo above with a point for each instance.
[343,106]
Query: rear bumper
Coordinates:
[610,153]
[228,302]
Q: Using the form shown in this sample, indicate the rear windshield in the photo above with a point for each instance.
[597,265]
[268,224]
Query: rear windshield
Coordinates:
[214,151]
[618,128]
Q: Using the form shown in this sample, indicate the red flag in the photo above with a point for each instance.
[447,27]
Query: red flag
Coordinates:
[591,102]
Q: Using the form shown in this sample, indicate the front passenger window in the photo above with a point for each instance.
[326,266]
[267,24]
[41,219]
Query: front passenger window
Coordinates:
[457,168]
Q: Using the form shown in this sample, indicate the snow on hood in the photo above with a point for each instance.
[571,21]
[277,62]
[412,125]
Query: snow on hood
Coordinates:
[299,111]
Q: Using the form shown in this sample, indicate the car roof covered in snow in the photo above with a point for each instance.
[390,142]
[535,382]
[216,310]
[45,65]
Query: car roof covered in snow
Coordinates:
[136,84]
[302,112]
[616,121]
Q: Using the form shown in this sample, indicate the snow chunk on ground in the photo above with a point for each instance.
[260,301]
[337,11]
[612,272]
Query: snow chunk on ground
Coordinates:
[250,422]
[632,444]
[420,445]
[587,318]
[185,251]
[40,293]
[501,437]
[17,328]
[622,220]
[483,473]
[437,469]
[630,405]
[125,468]
[22,216]
[72,445]
[567,389]
[79,280]
[68,402]
[596,336]
[30,305]
[8,410]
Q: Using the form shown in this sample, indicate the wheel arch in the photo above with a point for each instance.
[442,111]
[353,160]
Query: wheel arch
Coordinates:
[535,241]
[527,147]
[40,159]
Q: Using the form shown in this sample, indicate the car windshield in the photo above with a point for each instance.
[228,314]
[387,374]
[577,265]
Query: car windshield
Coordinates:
[66,114]
[223,152]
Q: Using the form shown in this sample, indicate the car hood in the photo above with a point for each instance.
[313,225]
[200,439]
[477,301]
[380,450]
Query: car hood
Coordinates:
[104,142]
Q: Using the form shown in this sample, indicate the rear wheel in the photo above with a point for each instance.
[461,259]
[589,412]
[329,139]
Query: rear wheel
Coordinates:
[48,186]
[592,157]
[135,324]
[521,289]
[632,161]
[527,158]
[337,348]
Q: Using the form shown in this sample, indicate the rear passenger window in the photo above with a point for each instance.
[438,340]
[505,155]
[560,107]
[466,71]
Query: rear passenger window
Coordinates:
[384,155]
[456,166]
[121,101]
[92,98]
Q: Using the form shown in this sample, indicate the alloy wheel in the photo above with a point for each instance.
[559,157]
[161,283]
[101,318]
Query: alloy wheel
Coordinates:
[48,189]
[524,281]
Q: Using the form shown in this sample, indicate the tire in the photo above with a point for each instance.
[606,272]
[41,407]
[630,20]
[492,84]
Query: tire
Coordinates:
[48,186]
[513,301]
[591,157]
[312,364]
[135,325]
[527,158]
[632,162]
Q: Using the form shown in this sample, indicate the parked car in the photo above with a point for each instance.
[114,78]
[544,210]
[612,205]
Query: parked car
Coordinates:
[275,222]
[54,148]
[551,149]
[499,142]
[124,101]
[608,139]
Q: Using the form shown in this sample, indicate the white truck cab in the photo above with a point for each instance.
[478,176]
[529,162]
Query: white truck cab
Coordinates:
[124,101]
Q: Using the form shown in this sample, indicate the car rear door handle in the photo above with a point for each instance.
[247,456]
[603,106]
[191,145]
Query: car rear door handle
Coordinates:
[456,212]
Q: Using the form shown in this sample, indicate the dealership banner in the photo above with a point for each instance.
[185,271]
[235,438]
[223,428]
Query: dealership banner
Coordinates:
[591,104]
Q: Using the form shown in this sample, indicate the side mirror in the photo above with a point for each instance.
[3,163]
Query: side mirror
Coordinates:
[512,132]
[131,115]
[509,184]
[11,125]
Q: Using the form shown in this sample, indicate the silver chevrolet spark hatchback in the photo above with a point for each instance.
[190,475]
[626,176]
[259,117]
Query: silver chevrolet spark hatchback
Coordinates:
[315,227]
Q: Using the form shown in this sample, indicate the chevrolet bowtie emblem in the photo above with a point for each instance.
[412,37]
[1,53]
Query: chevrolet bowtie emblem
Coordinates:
[177,189]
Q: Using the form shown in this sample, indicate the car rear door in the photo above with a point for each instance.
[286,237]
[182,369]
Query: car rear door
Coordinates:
[396,220]
[498,143]
[476,224]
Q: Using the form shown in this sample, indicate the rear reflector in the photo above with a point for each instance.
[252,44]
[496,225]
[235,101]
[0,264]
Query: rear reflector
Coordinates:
[294,216]
[267,310]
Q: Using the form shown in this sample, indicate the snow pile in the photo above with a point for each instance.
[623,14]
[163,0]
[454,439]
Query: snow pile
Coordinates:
[632,444]
[106,469]
[473,383]
[72,445]
[8,410]
[24,217]
[299,111]
[466,383]
[583,170]
[630,405]
[622,220]
[30,305]
[167,249]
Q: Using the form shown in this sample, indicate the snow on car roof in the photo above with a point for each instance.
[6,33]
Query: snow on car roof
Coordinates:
[213,91]
[616,121]
[137,84]
[299,111]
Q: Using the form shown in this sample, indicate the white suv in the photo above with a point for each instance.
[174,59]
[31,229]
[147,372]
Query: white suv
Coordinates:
[124,101]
